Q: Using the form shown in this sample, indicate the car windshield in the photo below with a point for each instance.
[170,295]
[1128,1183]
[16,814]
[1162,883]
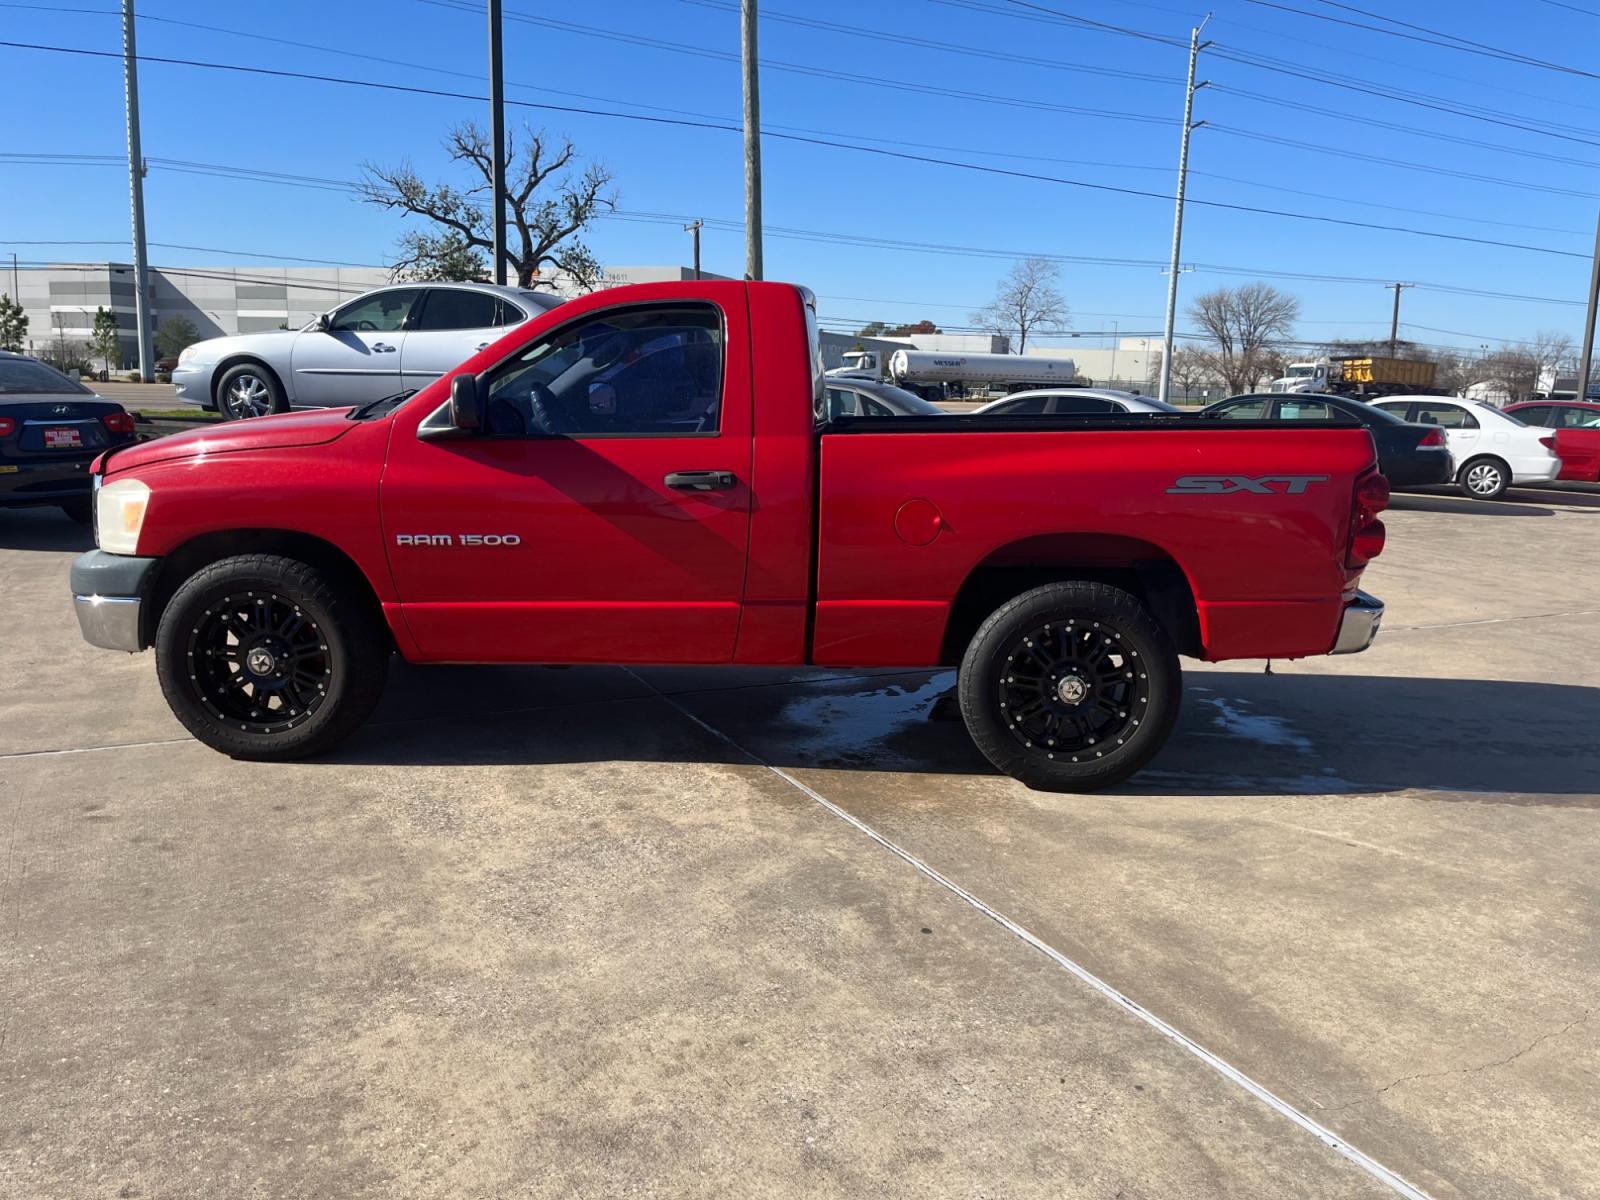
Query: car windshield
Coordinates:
[25,377]
[908,402]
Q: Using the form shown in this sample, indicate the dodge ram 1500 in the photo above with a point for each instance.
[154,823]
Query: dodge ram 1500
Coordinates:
[647,475]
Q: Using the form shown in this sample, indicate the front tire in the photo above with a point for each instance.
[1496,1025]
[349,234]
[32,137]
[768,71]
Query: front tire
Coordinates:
[265,658]
[249,390]
[1484,478]
[1070,687]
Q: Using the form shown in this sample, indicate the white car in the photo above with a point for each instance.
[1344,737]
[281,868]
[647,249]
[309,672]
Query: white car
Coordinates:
[395,339]
[1073,402]
[1491,450]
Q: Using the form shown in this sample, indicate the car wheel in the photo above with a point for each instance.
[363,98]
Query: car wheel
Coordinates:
[1070,687]
[81,511]
[249,390]
[265,658]
[1484,478]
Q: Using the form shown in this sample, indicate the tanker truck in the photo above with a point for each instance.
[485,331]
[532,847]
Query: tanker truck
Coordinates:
[932,374]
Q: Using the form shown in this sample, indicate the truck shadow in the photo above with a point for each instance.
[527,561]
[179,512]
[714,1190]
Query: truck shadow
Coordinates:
[47,529]
[1239,733]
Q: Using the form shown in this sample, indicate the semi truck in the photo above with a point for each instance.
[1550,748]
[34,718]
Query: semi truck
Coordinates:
[931,373]
[1360,375]
[649,475]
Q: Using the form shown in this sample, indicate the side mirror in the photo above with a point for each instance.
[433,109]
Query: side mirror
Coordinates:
[466,403]
[322,322]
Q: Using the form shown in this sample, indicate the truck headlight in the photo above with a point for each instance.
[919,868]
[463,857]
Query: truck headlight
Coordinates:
[119,514]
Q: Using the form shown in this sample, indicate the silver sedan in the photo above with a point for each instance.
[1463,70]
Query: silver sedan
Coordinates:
[394,339]
[1074,402]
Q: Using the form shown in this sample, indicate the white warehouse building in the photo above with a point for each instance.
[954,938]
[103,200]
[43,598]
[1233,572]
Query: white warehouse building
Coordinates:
[60,300]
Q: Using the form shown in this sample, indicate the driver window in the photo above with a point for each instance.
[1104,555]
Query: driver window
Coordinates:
[641,371]
[384,312]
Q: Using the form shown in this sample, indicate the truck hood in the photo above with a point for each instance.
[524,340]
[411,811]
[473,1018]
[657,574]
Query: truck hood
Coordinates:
[260,433]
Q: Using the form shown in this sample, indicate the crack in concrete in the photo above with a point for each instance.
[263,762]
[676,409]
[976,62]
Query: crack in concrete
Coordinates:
[1499,1062]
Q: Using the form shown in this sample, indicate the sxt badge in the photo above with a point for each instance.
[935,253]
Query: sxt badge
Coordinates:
[1224,485]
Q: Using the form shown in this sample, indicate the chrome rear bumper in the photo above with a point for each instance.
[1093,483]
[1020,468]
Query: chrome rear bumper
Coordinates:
[1359,625]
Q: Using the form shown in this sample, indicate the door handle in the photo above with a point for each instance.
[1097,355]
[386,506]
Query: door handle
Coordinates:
[700,481]
[381,347]
[483,345]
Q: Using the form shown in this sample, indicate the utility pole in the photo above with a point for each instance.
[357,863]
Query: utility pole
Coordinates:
[752,142]
[1585,368]
[1189,126]
[141,263]
[497,127]
[1394,323]
[694,228]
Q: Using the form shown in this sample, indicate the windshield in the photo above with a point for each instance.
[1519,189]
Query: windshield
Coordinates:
[1302,371]
[910,403]
[26,377]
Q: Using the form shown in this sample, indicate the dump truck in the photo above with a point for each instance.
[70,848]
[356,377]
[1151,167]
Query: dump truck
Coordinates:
[1360,375]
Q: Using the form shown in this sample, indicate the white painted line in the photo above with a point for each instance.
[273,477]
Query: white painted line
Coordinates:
[1228,1071]
[94,749]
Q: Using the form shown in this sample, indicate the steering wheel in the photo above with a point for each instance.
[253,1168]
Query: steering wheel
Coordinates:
[366,326]
[546,410]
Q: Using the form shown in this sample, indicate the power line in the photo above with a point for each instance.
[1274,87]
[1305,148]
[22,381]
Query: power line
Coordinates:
[815,141]
[770,64]
[1438,39]
[1588,12]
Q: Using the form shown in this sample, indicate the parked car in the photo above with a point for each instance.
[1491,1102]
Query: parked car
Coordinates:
[1408,455]
[641,476]
[167,363]
[1577,426]
[51,429]
[870,398]
[387,341]
[1491,449]
[1077,402]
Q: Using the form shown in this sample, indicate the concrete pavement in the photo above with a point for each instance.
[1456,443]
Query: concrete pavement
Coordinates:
[557,933]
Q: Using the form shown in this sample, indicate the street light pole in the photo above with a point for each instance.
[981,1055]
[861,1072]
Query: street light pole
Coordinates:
[694,228]
[141,260]
[752,141]
[497,131]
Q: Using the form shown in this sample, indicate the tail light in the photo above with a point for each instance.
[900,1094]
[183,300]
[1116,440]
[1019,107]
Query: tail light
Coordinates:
[118,422]
[1434,437]
[8,426]
[1549,442]
[1367,533]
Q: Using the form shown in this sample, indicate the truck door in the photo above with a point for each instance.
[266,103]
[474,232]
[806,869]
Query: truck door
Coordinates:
[603,515]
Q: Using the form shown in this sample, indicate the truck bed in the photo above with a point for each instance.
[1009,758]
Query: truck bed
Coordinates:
[1254,516]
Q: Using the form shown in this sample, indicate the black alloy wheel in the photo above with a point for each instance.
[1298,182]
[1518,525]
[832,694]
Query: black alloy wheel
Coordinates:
[267,658]
[258,661]
[1070,687]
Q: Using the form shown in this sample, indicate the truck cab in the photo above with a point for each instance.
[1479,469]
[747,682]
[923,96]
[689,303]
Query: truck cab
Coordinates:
[649,475]
[1302,377]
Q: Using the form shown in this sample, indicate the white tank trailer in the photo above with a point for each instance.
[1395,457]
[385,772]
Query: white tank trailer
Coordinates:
[1006,372]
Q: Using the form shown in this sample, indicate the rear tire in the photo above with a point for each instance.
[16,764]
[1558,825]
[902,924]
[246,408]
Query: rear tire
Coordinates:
[249,390]
[1484,478]
[1070,687]
[264,658]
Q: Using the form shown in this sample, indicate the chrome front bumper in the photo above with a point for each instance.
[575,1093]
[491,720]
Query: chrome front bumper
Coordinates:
[108,592]
[1359,625]
[110,621]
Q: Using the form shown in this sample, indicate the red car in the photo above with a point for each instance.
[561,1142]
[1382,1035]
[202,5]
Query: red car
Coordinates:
[1577,426]
[649,475]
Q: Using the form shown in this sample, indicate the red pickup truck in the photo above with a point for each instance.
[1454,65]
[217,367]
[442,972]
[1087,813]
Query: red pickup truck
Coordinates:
[645,475]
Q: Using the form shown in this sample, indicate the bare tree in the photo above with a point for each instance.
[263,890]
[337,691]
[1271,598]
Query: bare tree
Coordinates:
[1512,370]
[1192,368]
[1549,350]
[1025,301]
[1244,323]
[549,201]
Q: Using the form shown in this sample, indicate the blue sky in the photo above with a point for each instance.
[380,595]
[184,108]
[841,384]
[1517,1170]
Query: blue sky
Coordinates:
[65,104]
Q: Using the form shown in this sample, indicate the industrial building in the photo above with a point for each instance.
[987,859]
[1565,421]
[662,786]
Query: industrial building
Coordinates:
[60,300]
